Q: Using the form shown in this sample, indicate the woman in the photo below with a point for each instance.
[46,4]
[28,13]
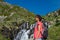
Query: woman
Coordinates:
[38,30]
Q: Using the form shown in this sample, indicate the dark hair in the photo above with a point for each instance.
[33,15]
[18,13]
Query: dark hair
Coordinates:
[38,16]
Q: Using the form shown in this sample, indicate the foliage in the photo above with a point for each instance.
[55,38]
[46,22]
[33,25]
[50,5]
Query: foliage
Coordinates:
[54,33]
[2,37]
[16,14]
[12,16]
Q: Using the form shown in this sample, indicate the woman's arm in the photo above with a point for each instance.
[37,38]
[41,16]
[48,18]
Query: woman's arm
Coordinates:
[38,32]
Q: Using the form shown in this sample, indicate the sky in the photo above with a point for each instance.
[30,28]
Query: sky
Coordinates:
[41,7]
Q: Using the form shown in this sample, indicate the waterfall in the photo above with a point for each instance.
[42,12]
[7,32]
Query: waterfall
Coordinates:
[23,33]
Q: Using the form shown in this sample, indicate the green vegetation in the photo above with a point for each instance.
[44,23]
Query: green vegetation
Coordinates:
[54,33]
[1,0]
[10,14]
[3,38]
[54,30]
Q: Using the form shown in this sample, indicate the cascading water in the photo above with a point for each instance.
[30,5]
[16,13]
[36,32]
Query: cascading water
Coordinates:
[23,34]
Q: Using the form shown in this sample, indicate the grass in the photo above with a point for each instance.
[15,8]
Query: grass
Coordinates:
[54,33]
[3,38]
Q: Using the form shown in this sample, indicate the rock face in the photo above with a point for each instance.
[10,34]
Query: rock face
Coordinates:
[53,17]
[54,13]
[2,18]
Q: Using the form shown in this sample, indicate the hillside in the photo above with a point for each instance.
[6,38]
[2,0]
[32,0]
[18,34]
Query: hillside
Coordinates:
[11,16]
[54,27]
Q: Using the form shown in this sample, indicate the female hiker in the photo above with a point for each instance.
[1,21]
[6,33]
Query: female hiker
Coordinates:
[38,30]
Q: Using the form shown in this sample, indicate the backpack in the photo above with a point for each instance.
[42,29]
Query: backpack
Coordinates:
[45,27]
[45,32]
